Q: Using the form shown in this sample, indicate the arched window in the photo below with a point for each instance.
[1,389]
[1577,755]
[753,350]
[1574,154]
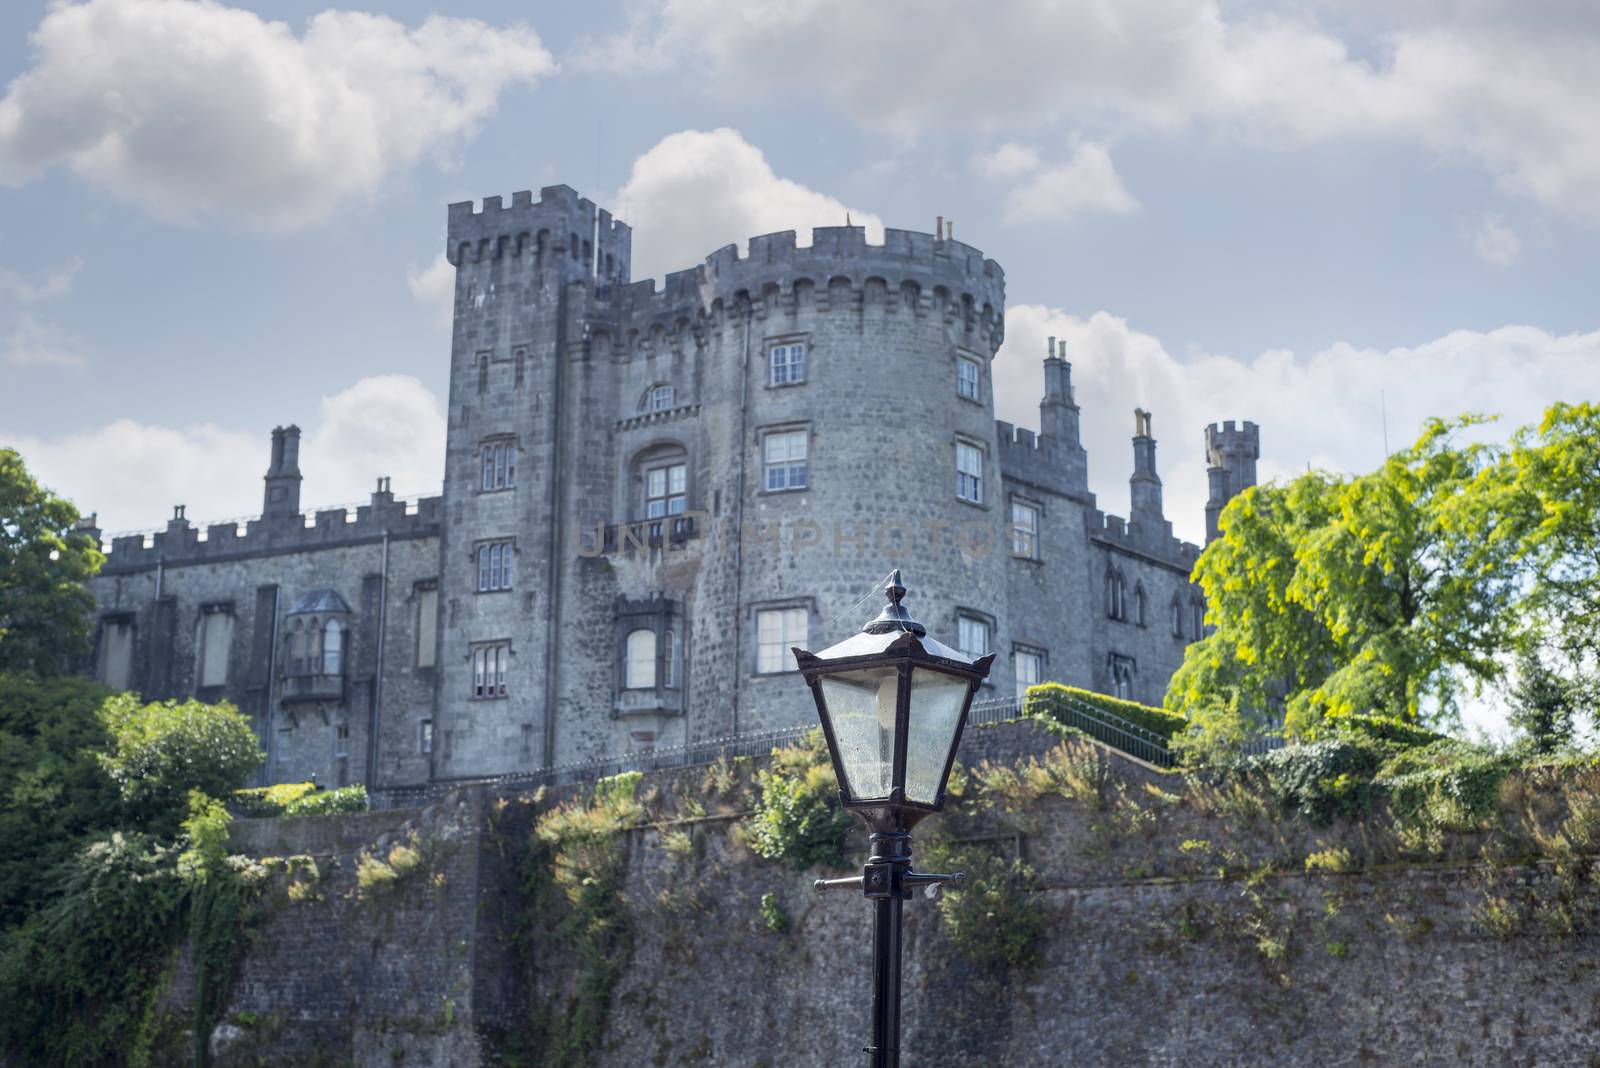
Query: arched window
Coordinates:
[1116,595]
[1138,603]
[658,398]
[1197,609]
[1177,616]
[297,648]
[333,648]
[1121,670]
[639,668]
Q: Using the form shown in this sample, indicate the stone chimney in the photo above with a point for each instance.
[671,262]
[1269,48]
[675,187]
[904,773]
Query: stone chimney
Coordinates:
[1145,485]
[282,496]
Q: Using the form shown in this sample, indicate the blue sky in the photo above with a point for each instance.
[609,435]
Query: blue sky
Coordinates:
[215,219]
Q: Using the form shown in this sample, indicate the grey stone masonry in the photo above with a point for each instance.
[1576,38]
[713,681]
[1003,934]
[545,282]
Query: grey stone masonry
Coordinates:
[650,493]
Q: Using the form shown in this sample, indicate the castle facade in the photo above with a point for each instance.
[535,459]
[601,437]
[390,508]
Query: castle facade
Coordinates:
[652,493]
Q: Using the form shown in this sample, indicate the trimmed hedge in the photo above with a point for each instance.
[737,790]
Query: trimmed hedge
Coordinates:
[1041,700]
[1386,729]
[264,802]
[329,802]
[298,799]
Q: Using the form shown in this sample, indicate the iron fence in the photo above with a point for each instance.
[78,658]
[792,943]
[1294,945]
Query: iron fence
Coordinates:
[1103,726]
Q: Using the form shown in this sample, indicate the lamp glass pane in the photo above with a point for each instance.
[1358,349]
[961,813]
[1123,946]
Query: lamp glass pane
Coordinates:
[936,704]
[861,708]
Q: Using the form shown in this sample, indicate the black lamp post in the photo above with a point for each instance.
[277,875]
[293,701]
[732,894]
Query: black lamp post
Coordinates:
[892,703]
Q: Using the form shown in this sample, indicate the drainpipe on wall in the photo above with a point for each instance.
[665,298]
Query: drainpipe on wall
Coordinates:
[268,715]
[374,716]
[554,510]
[738,518]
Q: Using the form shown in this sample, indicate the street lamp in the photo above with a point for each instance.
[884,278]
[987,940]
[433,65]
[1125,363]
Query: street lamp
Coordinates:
[892,703]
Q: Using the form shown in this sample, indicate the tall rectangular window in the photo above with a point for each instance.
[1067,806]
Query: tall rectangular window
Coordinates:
[784,459]
[972,635]
[665,488]
[1024,530]
[489,666]
[1029,670]
[639,663]
[967,378]
[341,740]
[969,473]
[787,364]
[494,566]
[216,637]
[776,630]
[427,627]
[425,737]
[498,460]
[116,653]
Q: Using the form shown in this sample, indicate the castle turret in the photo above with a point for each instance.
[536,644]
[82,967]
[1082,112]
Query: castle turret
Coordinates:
[282,497]
[1145,485]
[1231,454]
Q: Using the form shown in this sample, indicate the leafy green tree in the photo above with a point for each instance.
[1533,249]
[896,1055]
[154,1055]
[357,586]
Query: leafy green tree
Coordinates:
[53,791]
[1546,497]
[163,750]
[44,562]
[1543,704]
[1334,596]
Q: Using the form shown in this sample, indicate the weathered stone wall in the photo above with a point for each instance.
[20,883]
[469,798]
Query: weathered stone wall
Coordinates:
[376,559]
[1180,931]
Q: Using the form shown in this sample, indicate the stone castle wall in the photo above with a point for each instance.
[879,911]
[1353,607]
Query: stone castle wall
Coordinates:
[1149,957]
[555,355]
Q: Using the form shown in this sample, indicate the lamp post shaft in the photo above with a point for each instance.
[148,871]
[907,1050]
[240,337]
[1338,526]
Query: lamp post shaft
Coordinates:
[885,1047]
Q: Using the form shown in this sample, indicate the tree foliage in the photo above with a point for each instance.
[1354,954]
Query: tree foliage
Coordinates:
[163,750]
[53,790]
[45,607]
[1332,596]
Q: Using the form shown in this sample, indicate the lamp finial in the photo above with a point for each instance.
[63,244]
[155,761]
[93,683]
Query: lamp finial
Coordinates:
[894,615]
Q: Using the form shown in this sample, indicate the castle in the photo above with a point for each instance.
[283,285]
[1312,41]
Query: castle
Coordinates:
[649,496]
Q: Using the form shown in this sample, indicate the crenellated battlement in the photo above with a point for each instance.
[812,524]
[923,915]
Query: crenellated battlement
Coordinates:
[909,273]
[559,221]
[1041,461]
[1118,533]
[183,543]
[1230,438]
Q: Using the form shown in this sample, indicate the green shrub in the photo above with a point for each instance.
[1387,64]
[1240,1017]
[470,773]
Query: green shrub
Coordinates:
[163,750]
[1385,729]
[1321,780]
[773,915]
[1045,698]
[798,818]
[997,916]
[261,802]
[329,802]
[80,979]
[53,791]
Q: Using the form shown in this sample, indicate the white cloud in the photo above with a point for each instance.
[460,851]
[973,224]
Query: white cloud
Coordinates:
[1495,242]
[1010,160]
[1506,86]
[189,108]
[434,287]
[36,344]
[57,283]
[1324,408]
[131,473]
[696,191]
[1087,183]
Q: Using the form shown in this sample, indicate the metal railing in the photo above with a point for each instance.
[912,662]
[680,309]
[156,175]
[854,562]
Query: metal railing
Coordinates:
[695,754]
